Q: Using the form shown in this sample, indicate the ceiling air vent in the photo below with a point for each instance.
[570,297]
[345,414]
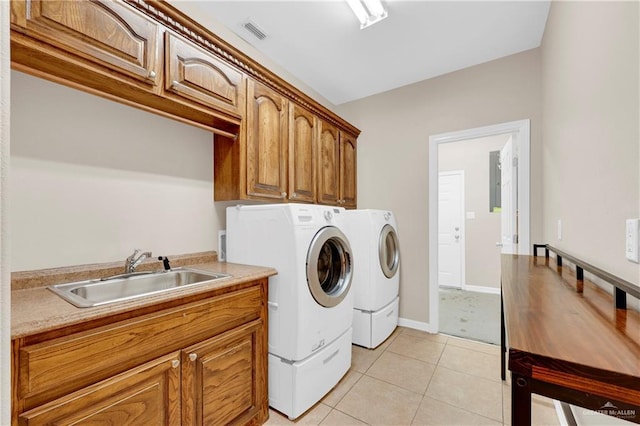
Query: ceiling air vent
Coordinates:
[255,30]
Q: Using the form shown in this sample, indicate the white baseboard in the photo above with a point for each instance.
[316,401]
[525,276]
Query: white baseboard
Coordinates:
[482,289]
[416,325]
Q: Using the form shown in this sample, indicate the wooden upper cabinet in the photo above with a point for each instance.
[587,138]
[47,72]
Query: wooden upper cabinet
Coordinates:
[197,75]
[336,167]
[108,33]
[151,56]
[223,378]
[328,164]
[303,137]
[146,395]
[348,170]
[266,139]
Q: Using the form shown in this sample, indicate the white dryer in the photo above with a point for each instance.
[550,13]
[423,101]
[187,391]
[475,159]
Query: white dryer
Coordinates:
[310,302]
[376,275]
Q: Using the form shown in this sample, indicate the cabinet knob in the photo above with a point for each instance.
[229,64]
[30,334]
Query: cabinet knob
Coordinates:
[294,195]
[152,74]
[175,363]
[193,356]
[284,194]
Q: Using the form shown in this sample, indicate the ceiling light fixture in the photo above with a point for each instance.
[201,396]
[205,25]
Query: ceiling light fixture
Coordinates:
[368,12]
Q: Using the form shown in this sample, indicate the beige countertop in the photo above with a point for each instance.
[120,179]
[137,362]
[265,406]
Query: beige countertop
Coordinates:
[38,309]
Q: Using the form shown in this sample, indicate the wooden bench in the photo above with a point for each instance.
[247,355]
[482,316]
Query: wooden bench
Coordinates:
[567,340]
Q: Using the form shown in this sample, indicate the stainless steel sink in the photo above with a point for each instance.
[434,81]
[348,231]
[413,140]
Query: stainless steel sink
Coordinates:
[84,294]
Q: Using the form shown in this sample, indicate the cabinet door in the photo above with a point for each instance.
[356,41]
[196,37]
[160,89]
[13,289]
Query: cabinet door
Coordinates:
[224,378]
[146,395]
[302,154]
[348,193]
[105,32]
[266,137]
[328,165]
[197,75]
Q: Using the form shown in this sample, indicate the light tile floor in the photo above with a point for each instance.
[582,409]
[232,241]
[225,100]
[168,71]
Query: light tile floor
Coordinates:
[416,378]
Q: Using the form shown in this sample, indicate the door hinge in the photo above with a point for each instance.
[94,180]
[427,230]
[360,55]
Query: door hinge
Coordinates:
[515,161]
[515,239]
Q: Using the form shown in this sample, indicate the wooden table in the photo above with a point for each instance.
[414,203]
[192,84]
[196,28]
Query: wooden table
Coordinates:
[569,346]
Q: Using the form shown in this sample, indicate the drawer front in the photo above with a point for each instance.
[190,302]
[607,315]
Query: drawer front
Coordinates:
[108,33]
[56,367]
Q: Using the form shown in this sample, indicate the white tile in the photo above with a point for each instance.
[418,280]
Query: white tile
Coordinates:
[379,403]
[471,393]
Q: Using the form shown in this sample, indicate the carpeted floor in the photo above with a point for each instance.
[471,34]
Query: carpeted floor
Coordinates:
[470,314]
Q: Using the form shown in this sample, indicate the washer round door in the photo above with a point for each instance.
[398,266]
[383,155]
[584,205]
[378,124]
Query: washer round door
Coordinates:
[329,267]
[388,251]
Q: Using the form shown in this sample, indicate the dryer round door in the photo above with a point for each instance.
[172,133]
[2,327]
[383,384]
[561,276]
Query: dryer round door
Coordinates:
[329,267]
[388,251]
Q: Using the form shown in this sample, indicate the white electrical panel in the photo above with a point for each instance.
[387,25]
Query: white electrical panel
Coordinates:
[631,244]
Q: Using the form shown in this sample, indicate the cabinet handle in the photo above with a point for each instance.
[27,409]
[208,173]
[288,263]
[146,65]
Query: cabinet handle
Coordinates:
[152,74]
[175,363]
[193,356]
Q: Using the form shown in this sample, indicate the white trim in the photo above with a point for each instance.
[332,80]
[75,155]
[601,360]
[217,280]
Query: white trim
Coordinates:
[463,223]
[417,325]
[522,129]
[562,419]
[482,289]
[5,274]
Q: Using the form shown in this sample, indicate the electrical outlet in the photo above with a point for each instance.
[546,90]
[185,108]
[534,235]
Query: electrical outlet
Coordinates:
[631,240]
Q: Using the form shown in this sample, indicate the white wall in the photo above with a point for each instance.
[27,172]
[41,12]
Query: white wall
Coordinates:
[393,149]
[590,137]
[482,257]
[93,179]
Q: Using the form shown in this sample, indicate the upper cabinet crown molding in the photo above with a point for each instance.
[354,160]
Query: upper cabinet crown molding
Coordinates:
[174,19]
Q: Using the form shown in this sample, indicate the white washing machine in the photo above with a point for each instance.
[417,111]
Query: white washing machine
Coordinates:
[310,302]
[376,275]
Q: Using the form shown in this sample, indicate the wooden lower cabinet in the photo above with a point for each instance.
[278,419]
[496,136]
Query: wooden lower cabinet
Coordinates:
[197,363]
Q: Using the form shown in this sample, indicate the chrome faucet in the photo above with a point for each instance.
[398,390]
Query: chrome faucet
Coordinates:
[134,260]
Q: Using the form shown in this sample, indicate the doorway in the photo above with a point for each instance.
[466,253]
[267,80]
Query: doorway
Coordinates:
[519,132]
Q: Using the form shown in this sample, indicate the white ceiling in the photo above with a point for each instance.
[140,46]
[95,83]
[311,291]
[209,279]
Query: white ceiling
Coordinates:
[321,44]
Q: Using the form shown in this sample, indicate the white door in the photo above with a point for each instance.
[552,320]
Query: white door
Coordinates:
[451,229]
[509,198]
